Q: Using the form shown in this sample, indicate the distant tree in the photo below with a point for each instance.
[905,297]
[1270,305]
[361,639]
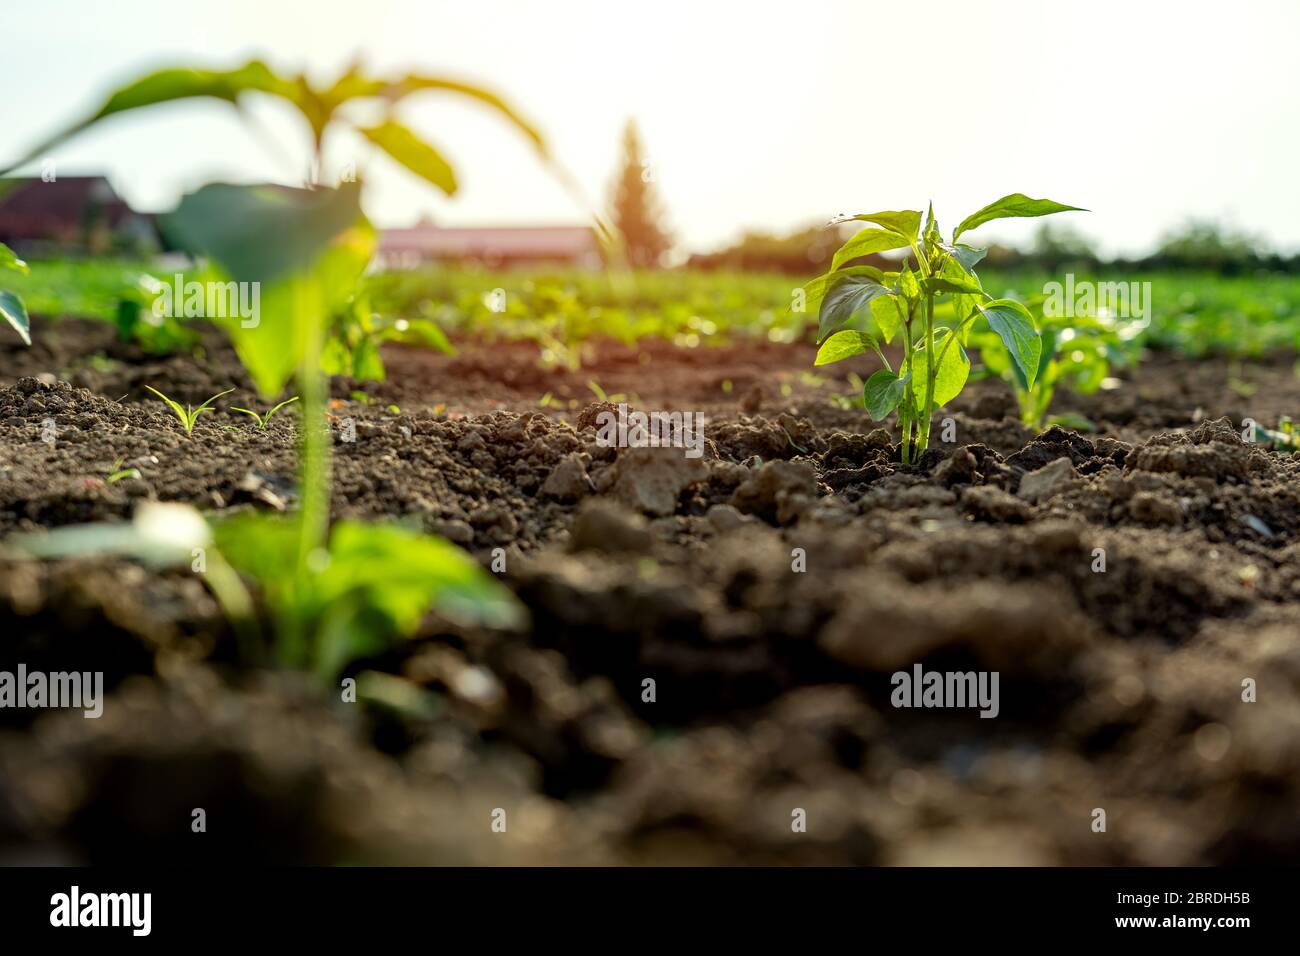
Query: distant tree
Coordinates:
[793,253]
[637,211]
[1056,246]
[1204,244]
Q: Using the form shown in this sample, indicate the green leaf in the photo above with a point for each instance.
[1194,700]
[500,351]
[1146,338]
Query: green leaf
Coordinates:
[887,310]
[1017,205]
[966,292]
[963,283]
[160,535]
[262,546]
[1015,327]
[421,332]
[842,345]
[815,290]
[15,313]
[908,284]
[963,307]
[262,233]
[847,305]
[377,584]
[967,256]
[932,234]
[179,83]
[1048,340]
[177,408]
[335,357]
[415,83]
[272,349]
[951,374]
[9,260]
[413,153]
[906,223]
[1072,420]
[183,83]
[367,366]
[403,573]
[866,242]
[882,393]
[394,694]
[350,85]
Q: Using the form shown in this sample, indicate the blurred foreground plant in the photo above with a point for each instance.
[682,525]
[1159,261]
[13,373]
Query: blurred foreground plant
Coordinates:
[332,595]
[324,108]
[11,307]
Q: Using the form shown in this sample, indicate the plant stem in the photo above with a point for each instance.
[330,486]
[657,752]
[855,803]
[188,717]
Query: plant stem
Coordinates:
[313,466]
[315,458]
[905,406]
[931,372]
[237,606]
[883,361]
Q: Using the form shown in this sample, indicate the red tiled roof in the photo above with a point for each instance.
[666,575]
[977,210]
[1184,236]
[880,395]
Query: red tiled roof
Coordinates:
[35,209]
[524,242]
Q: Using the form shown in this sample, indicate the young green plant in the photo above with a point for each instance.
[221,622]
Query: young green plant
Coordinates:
[1077,351]
[11,307]
[356,333]
[117,473]
[333,593]
[930,309]
[1285,438]
[264,419]
[188,415]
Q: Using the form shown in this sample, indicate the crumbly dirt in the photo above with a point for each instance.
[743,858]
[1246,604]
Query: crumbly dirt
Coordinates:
[792,570]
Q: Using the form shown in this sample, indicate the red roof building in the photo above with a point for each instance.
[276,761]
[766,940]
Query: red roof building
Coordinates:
[82,212]
[490,247]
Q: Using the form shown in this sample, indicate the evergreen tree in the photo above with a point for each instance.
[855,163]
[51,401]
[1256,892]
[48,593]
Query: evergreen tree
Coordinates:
[637,212]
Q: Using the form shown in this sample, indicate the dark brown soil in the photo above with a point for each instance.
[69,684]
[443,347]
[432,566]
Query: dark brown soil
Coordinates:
[1119,689]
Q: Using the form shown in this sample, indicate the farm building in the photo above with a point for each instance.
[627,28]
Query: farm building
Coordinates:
[70,213]
[492,247]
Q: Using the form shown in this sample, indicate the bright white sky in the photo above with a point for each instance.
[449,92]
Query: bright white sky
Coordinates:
[754,114]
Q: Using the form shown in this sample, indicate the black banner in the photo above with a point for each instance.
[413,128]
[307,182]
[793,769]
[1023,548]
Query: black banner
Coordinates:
[334,905]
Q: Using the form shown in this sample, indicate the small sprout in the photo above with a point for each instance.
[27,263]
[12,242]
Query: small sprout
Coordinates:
[103,364]
[1238,383]
[1285,438]
[188,415]
[394,410]
[116,472]
[263,420]
[603,396]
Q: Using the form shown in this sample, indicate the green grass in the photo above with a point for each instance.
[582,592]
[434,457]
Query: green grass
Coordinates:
[78,288]
[687,308]
[1191,313]
[1200,314]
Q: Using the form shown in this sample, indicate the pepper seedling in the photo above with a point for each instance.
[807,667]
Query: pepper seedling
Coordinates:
[931,308]
[1077,351]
